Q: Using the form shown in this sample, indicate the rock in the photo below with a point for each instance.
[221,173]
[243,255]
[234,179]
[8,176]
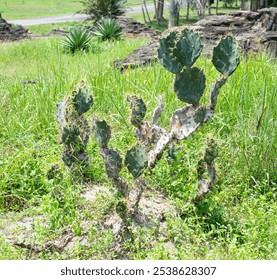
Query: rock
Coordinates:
[132,28]
[142,56]
[254,31]
[9,32]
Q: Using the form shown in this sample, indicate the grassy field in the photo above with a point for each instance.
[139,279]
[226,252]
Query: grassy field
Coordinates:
[19,9]
[238,218]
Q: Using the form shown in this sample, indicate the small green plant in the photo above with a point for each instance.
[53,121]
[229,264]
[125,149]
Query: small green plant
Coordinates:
[76,40]
[107,29]
[103,8]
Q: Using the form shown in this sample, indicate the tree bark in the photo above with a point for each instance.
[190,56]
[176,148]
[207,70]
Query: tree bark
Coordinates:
[160,11]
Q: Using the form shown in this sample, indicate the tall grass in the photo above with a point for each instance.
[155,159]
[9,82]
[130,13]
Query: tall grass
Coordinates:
[238,219]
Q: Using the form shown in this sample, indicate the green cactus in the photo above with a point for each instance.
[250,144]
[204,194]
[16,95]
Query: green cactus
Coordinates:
[188,48]
[82,100]
[75,131]
[165,53]
[226,55]
[113,162]
[102,132]
[70,134]
[215,90]
[211,152]
[177,51]
[136,160]
[138,110]
[200,115]
[190,85]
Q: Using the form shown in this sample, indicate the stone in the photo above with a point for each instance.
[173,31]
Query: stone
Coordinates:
[254,31]
[134,29]
[9,32]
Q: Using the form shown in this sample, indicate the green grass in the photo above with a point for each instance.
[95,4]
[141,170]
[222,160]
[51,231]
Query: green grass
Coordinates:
[46,28]
[238,218]
[19,9]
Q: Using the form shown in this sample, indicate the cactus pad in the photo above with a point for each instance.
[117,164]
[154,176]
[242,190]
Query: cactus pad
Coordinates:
[70,134]
[226,55]
[136,160]
[101,132]
[138,110]
[82,100]
[179,50]
[188,48]
[113,162]
[165,53]
[190,85]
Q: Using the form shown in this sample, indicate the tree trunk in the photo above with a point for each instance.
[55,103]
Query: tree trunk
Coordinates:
[160,11]
[174,13]
[188,6]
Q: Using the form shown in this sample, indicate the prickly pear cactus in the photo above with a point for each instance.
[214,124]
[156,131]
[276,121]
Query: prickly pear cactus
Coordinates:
[101,132]
[138,110]
[226,56]
[75,131]
[190,85]
[165,53]
[211,152]
[82,100]
[113,162]
[136,160]
[188,48]
[177,50]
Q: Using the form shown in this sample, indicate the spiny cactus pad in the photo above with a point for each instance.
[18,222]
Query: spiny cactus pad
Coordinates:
[82,100]
[113,162]
[70,134]
[188,48]
[179,50]
[190,85]
[226,55]
[136,160]
[165,53]
[102,132]
[138,110]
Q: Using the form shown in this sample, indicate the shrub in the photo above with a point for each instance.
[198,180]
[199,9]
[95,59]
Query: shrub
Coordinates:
[107,29]
[77,40]
[103,8]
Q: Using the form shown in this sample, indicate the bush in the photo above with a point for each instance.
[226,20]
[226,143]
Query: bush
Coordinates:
[107,29]
[103,8]
[77,40]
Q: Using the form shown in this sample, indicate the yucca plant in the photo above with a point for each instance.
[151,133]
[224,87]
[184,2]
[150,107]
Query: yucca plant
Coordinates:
[103,8]
[76,40]
[107,29]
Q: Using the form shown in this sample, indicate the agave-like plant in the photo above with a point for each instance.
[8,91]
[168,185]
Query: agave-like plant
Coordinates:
[107,29]
[76,40]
